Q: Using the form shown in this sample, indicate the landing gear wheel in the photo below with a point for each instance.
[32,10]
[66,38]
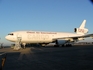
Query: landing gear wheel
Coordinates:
[56,45]
[63,45]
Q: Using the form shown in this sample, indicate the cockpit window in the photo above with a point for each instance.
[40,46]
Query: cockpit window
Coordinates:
[10,34]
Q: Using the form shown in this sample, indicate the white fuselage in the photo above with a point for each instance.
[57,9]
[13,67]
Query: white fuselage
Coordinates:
[38,36]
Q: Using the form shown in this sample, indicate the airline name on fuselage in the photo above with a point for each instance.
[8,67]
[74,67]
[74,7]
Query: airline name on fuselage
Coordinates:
[41,32]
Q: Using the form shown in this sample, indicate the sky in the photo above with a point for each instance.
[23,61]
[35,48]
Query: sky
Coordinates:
[44,15]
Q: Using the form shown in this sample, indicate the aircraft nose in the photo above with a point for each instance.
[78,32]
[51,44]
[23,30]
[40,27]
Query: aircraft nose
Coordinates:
[7,37]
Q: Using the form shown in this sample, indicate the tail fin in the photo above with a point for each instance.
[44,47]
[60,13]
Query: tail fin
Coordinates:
[82,26]
[81,30]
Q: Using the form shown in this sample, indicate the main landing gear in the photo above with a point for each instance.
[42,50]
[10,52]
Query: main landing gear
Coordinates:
[63,45]
[66,45]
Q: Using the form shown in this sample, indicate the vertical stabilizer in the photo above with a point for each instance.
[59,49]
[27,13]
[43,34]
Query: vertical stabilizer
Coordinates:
[83,24]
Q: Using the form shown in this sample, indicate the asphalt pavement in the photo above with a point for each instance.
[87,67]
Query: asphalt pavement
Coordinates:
[49,58]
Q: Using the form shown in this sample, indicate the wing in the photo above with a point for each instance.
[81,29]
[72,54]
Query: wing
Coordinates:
[75,37]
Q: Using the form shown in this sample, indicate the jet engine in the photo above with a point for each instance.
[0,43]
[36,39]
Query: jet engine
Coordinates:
[75,30]
[78,30]
[80,38]
[60,41]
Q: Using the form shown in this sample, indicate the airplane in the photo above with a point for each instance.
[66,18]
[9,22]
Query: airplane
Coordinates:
[45,37]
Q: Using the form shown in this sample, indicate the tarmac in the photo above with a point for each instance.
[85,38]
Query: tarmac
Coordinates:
[49,58]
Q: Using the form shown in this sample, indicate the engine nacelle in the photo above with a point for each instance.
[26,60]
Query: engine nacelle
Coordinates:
[75,30]
[80,38]
[60,41]
[80,31]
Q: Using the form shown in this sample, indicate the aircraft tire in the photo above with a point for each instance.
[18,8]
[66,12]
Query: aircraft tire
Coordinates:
[56,45]
[63,45]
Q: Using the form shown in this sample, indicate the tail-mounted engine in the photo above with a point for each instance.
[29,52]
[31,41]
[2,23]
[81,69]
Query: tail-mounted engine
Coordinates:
[80,31]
